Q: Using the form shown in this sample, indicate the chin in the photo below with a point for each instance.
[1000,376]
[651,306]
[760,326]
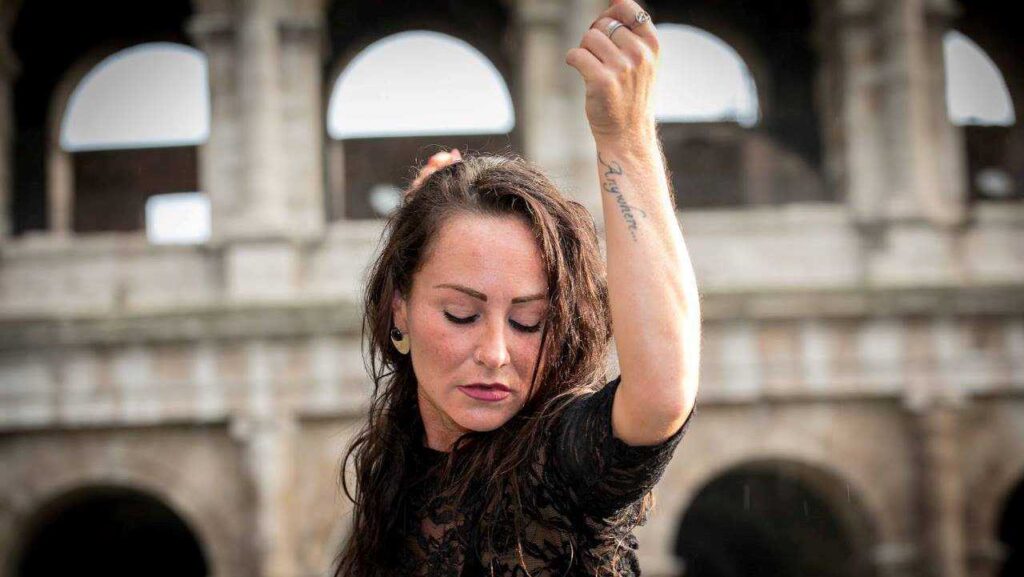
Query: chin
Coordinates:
[482,421]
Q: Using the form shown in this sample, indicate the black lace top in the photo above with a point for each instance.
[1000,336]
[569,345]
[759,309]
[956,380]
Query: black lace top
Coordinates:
[581,507]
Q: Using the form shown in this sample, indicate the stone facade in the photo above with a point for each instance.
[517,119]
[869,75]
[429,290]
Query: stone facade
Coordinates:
[869,348]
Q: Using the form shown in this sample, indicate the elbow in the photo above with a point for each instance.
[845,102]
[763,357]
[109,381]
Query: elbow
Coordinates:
[677,405]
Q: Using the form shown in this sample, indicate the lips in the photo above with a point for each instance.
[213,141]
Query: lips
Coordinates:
[492,386]
[486,391]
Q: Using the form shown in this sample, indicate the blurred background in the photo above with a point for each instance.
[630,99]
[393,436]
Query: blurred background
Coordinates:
[192,190]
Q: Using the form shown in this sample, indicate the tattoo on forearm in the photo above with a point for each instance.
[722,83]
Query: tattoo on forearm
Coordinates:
[611,186]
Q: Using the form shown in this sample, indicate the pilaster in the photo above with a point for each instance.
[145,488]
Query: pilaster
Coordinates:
[555,128]
[916,134]
[268,439]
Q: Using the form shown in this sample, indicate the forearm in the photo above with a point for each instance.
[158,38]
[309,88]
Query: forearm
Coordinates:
[654,304]
[652,290]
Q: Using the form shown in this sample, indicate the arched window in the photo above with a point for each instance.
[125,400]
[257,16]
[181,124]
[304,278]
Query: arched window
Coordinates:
[706,101]
[976,92]
[131,127]
[432,90]
[702,79]
[419,83]
[150,95]
[978,100]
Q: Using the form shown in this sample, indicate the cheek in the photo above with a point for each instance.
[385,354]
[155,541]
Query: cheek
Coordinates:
[439,345]
[525,352]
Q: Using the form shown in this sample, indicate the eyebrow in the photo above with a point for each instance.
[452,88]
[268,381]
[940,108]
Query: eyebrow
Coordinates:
[481,296]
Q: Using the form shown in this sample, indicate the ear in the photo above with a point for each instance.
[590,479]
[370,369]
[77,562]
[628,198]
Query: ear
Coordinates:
[400,312]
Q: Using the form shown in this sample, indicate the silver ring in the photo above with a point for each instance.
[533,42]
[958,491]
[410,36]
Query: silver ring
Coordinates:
[612,27]
[641,18]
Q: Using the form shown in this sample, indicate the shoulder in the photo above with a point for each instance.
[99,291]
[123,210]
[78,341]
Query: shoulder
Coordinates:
[603,472]
[588,419]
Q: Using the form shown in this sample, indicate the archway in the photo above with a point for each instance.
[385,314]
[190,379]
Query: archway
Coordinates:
[46,66]
[770,520]
[979,100]
[128,137]
[111,531]
[389,105]
[1011,533]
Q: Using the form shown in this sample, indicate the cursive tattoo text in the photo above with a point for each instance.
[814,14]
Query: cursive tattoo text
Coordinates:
[611,186]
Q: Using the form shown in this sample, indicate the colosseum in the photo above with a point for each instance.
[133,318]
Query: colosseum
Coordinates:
[192,191]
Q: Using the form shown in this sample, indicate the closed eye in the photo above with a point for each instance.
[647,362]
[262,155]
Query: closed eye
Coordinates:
[467,320]
[460,320]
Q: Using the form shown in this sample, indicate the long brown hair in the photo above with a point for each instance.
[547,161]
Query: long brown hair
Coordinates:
[574,344]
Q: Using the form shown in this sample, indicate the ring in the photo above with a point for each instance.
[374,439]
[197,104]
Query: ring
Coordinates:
[641,18]
[612,27]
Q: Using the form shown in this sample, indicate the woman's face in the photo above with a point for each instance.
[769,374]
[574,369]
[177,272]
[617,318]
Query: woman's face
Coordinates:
[474,316]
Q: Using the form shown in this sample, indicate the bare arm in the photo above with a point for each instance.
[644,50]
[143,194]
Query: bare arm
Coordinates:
[653,293]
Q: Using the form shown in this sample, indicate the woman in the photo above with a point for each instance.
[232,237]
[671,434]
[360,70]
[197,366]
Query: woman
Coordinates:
[492,447]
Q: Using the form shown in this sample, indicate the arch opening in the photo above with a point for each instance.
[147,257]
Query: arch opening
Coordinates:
[131,129]
[1011,533]
[702,79]
[149,95]
[392,88]
[979,101]
[976,92]
[390,105]
[721,148]
[764,520]
[112,531]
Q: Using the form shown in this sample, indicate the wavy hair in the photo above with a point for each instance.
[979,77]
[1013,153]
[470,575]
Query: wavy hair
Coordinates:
[574,345]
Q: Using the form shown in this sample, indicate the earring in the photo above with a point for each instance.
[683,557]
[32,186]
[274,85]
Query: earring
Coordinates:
[400,340]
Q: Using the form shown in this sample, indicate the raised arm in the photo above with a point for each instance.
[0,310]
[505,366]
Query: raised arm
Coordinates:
[654,302]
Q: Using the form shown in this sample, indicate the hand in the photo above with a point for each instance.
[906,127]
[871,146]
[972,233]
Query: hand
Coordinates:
[619,74]
[436,162]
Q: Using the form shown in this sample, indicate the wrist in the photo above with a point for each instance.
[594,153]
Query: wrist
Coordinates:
[629,149]
[640,141]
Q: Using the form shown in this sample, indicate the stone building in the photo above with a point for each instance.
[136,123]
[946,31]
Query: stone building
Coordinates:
[858,246]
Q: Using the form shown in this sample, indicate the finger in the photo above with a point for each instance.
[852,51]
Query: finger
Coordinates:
[598,43]
[584,61]
[625,11]
[456,155]
[424,174]
[628,43]
[440,159]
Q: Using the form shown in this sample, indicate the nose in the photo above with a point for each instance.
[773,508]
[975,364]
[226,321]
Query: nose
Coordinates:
[491,350]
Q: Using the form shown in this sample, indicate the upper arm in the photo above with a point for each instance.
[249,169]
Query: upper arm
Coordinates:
[636,422]
[601,471]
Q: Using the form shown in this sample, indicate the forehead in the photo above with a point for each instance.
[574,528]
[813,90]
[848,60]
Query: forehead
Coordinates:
[493,254]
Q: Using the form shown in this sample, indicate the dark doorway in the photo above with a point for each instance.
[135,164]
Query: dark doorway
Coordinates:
[764,523]
[1011,533]
[112,532]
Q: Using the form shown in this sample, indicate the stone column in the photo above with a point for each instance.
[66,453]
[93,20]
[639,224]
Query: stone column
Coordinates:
[913,145]
[264,211]
[221,160]
[302,55]
[268,437]
[542,86]
[8,70]
[554,125]
[934,403]
[953,179]
[263,164]
[863,175]
[940,489]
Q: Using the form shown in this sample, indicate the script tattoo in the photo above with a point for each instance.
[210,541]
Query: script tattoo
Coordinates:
[611,186]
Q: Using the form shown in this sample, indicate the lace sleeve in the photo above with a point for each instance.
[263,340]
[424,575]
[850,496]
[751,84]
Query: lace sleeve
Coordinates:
[602,471]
